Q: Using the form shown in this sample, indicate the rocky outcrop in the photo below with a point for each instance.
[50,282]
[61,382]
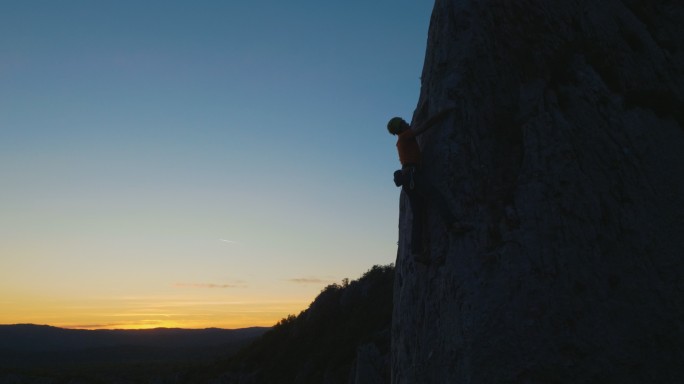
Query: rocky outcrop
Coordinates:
[566,152]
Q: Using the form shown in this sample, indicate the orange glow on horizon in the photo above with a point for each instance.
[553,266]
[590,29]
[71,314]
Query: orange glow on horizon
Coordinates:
[152,324]
[150,314]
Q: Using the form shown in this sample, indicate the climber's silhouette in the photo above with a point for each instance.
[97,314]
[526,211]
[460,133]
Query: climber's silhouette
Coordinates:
[415,184]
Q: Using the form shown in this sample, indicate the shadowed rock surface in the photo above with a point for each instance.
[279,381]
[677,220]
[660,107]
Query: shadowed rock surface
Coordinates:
[566,152]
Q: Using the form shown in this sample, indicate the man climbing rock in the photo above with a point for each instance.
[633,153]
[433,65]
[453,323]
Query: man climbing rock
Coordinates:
[416,186]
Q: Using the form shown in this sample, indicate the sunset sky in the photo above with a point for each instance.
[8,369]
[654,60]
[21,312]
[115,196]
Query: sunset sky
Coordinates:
[197,163]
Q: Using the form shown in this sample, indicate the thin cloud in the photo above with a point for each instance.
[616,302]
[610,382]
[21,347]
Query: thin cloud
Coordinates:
[206,285]
[307,280]
[228,241]
[96,326]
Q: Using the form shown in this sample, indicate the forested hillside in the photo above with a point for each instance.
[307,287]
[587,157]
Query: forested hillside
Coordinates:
[343,334]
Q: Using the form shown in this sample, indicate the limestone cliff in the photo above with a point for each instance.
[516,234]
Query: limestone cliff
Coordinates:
[566,152]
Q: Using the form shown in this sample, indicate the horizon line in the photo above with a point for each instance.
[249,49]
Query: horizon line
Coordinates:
[96,328]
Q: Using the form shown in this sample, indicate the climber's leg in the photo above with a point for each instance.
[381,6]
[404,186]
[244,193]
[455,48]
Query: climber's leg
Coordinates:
[433,196]
[416,220]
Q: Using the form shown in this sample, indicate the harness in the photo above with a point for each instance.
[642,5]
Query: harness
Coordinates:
[406,176]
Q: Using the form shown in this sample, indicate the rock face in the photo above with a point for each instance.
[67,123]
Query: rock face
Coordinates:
[566,152]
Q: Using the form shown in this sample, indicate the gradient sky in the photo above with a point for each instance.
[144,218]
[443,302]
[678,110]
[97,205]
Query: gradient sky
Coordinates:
[197,163]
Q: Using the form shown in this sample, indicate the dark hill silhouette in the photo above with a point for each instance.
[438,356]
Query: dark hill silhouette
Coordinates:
[344,334]
[37,353]
[43,338]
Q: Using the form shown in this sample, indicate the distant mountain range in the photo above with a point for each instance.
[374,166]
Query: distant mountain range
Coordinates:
[28,345]
[43,338]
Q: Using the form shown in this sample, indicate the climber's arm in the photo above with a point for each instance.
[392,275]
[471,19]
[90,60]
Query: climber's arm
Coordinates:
[432,121]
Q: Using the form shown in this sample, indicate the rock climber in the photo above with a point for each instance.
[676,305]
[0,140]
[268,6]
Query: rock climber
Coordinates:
[416,186]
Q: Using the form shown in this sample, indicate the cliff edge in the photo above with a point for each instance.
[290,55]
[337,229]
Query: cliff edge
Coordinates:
[566,152]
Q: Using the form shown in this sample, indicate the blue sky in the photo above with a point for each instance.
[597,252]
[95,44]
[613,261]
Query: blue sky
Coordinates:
[206,153]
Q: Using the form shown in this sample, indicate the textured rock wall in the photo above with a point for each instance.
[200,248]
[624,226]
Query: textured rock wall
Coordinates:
[566,151]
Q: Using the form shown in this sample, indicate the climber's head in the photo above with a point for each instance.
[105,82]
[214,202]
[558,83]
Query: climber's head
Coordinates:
[397,125]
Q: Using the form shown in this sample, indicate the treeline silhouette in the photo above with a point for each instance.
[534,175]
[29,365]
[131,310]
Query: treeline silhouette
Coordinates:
[321,343]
